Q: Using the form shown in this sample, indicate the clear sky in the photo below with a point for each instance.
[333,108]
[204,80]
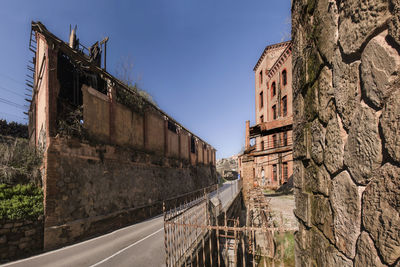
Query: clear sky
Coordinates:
[195,57]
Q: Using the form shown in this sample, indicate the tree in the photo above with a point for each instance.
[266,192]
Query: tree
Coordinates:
[124,72]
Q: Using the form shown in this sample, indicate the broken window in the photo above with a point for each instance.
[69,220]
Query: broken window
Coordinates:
[261,118]
[192,145]
[260,77]
[274,172]
[274,112]
[262,145]
[72,75]
[172,126]
[261,98]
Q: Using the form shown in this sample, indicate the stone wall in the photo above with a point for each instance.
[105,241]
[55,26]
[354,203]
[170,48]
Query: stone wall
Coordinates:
[20,238]
[93,189]
[346,133]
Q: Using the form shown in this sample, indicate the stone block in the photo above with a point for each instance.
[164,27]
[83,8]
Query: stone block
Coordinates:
[317,142]
[322,216]
[303,206]
[326,109]
[346,205]
[23,245]
[346,83]
[381,214]
[394,23]
[18,224]
[326,33]
[380,65]
[8,225]
[4,231]
[359,20]
[324,254]
[298,173]
[366,255]
[363,150]
[334,148]
[390,123]
[316,179]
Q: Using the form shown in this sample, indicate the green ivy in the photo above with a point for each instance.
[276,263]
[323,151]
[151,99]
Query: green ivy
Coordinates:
[21,201]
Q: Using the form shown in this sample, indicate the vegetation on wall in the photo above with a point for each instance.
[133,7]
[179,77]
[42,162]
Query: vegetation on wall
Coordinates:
[19,163]
[21,201]
[132,99]
[21,195]
[137,98]
[70,121]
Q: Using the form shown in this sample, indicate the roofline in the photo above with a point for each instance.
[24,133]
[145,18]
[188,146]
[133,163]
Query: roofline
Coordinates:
[270,47]
[39,27]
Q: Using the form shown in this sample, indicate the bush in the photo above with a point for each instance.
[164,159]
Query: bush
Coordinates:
[21,201]
[19,163]
[13,129]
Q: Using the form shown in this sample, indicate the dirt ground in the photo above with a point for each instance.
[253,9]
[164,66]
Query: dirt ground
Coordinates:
[283,204]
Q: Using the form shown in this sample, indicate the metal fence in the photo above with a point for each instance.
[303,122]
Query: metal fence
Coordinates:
[194,238]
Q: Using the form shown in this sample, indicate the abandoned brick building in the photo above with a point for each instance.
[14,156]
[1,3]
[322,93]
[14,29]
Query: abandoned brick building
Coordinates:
[110,156]
[268,161]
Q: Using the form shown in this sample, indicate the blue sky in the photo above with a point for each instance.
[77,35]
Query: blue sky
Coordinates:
[194,57]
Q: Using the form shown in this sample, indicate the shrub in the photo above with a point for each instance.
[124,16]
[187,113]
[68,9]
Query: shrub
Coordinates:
[21,201]
[19,163]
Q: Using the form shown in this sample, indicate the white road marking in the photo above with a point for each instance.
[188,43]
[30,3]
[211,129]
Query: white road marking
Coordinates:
[71,246]
[122,250]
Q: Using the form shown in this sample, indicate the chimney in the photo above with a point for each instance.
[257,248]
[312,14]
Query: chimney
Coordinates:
[72,38]
[247,143]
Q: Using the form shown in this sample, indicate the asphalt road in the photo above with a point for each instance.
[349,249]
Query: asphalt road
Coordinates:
[141,244]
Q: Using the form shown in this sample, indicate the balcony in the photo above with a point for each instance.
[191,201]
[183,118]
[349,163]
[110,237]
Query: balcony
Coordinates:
[275,126]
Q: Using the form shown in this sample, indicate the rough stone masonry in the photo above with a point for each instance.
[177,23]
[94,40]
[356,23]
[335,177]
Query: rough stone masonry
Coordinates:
[346,89]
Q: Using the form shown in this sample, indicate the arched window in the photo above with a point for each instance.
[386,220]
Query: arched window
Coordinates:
[284,77]
[273,87]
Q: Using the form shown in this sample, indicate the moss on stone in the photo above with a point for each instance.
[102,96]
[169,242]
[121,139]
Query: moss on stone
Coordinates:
[311,6]
[313,64]
[311,102]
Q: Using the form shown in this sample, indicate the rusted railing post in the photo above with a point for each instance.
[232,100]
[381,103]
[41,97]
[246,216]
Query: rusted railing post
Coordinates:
[165,235]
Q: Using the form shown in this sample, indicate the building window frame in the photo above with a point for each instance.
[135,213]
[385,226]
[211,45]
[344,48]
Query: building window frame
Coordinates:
[285,170]
[284,106]
[273,88]
[274,172]
[274,115]
[284,77]
[261,99]
[285,139]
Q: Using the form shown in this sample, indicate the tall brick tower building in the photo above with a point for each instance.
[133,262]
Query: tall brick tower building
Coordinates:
[267,159]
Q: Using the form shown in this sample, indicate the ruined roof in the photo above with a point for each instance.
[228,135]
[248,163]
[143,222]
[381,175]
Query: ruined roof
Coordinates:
[84,59]
[269,48]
